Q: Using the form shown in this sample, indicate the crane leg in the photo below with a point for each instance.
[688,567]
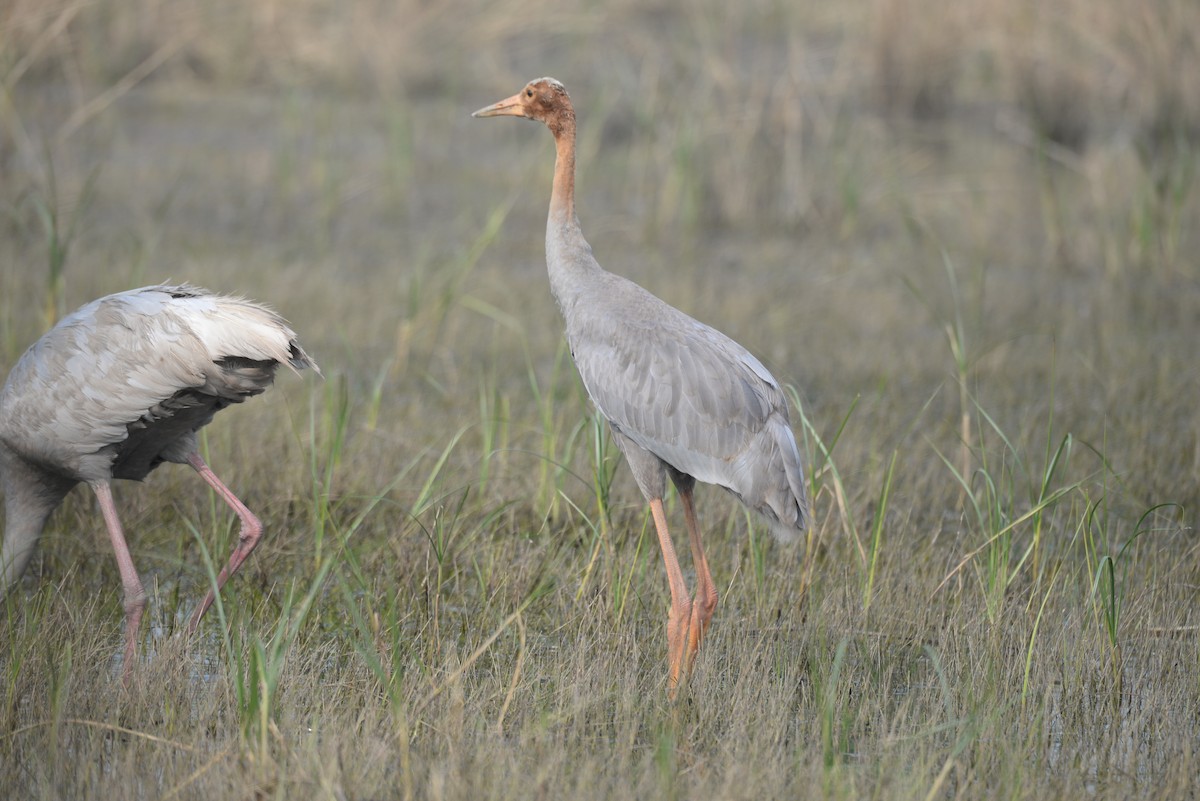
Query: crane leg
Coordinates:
[135,596]
[248,537]
[705,601]
[679,618]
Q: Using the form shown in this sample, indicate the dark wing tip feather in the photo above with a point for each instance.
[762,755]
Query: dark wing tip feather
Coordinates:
[300,360]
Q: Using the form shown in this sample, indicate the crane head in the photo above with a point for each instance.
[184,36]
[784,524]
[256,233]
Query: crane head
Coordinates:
[544,100]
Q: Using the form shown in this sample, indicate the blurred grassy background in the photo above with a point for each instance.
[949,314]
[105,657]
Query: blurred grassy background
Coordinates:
[964,234]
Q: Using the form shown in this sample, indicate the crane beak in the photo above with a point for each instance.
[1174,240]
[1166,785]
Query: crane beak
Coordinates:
[509,107]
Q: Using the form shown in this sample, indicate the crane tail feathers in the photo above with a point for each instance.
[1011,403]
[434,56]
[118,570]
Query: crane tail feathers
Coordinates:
[299,360]
[786,504]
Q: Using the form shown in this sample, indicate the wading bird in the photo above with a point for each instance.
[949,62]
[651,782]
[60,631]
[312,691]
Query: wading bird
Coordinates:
[682,399]
[114,390]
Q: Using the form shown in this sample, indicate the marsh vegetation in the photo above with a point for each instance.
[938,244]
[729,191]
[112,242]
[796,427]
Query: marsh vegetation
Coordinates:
[964,236]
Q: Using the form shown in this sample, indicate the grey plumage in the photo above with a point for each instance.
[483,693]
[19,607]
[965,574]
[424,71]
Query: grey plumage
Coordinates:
[117,388]
[682,399]
[686,393]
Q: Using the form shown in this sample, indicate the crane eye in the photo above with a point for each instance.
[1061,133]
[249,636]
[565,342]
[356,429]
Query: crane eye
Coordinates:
[529,93]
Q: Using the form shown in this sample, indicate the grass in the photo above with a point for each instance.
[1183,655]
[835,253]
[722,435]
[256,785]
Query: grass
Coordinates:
[979,296]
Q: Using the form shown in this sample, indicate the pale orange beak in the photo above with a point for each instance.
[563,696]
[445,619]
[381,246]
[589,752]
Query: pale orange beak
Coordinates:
[508,107]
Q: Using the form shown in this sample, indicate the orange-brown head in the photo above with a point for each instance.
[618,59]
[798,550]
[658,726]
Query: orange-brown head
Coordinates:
[544,100]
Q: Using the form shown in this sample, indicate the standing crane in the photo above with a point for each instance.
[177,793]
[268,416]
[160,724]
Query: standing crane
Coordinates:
[682,399]
[118,387]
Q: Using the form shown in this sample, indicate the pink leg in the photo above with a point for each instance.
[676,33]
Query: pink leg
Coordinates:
[679,618]
[248,537]
[705,601]
[135,596]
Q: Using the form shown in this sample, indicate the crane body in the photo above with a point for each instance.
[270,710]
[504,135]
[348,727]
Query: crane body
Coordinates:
[682,399]
[115,389]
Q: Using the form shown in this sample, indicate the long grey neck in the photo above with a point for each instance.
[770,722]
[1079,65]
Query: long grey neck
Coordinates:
[30,495]
[568,255]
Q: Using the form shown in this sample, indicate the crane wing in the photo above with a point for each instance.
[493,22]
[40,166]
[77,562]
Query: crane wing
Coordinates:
[121,360]
[690,396]
[678,388]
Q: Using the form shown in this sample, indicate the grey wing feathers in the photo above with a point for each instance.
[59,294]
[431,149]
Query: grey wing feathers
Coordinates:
[123,358]
[696,399]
